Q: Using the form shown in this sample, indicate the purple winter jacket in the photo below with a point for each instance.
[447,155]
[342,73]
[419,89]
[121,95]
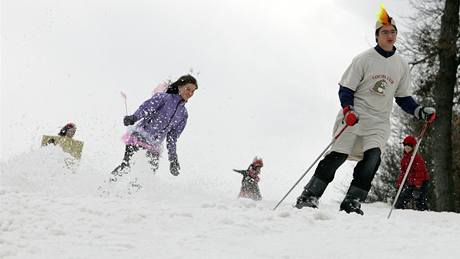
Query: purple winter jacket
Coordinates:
[162,116]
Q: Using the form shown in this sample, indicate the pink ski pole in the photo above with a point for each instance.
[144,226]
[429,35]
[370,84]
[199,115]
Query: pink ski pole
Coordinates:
[124,97]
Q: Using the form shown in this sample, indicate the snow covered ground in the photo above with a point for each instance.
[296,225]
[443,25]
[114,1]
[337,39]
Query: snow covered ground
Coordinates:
[49,211]
[267,73]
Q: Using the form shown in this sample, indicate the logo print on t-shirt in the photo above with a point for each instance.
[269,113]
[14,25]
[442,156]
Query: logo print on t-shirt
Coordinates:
[379,87]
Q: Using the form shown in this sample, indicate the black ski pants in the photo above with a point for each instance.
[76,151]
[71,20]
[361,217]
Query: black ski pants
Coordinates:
[411,193]
[152,157]
[363,173]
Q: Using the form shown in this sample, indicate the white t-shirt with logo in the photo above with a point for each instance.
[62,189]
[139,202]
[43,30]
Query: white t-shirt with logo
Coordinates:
[376,80]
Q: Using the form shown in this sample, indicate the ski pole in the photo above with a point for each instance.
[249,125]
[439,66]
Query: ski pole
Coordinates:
[414,152]
[124,97]
[316,160]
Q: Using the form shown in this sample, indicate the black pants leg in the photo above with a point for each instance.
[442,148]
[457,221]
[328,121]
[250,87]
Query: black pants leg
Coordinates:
[364,173]
[324,173]
[123,168]
[154,160]
[404,198]
[421,201]
[129,152]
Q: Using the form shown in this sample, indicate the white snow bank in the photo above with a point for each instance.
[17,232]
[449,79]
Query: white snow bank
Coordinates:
[49,211]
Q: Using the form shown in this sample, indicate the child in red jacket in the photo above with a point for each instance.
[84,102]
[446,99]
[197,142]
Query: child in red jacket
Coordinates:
[416,185]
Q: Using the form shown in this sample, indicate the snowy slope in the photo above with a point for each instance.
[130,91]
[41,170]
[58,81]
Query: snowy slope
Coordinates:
[48,211]
[267,87]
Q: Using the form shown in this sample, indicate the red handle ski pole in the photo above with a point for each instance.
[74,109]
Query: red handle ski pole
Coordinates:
[422,133]
[316,160]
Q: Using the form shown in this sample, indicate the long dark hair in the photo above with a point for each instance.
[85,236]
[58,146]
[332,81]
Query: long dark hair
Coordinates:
[183,80]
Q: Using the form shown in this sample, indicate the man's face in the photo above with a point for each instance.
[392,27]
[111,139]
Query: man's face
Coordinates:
[386,38]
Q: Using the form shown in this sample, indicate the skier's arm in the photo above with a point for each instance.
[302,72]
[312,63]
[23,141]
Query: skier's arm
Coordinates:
[349,83]
[243,172]
[171,139]
[346,96]
[407,103]
[403,94]
[354,74]
[150,106]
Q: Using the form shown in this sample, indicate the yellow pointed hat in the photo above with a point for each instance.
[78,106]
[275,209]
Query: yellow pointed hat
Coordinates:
[383,18]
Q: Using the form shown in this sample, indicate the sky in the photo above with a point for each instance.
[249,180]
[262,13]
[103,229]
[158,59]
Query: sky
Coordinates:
[267,72]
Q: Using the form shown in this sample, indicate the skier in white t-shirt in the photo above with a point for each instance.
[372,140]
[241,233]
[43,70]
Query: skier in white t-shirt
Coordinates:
[366,93]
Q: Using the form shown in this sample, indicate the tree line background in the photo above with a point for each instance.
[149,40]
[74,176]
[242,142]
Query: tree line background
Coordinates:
[432,50]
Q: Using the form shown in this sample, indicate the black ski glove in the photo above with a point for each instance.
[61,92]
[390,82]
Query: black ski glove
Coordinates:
[174,167]
[129,120]
[424,113]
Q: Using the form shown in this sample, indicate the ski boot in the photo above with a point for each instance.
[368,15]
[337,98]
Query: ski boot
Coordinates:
[311,193]
[120,170]
[351,205]
[306,199]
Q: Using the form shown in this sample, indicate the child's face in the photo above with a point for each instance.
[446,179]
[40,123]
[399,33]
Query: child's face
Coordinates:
[71,132]
[408,148]
[186,91]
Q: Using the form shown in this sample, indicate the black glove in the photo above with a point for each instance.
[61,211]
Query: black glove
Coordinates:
[424,113]
[129,120]
[416,192]
[174,167]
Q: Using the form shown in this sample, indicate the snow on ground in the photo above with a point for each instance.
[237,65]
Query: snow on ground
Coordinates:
[58,67]
[49,211]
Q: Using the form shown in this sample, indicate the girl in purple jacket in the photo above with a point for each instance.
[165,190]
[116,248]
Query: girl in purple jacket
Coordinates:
[161,117]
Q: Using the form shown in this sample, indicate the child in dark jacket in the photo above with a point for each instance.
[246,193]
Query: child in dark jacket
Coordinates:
[416,185]
[249,184]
